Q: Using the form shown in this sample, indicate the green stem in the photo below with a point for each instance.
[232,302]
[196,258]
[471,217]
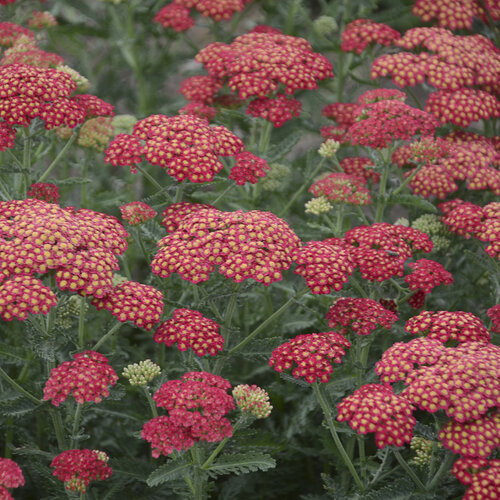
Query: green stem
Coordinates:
[151,402]
[407,180]
[49,169]
[26,160]
[357,286]
[107,335]
[76,424]
[220,447]
[81,323]
[414,97]
[338,443]
[340,220]
[409,471]
[265,136]
[376,477]
[227,190]
[445,465]
[58,428]
[362,215]
[16,386]
[5,192]
[198,480]
[153,181]
[142,246]
[381,202]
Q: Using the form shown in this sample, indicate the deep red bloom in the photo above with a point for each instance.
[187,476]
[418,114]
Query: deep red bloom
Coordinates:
[248,168]
[44,191]
[360,33]
[87,378]
[339,187]
[375,95]
[190,330]
[7,136]
[10,31]
[77,468]
[176,212]
[344,113]
[200,88]
[199,109]
[494,314]
[465,467]
[277,110]
[137,212]
[375,408]
[174,16]
[94,106]
[11,475]
[427,274]
[312,353]
[360,167]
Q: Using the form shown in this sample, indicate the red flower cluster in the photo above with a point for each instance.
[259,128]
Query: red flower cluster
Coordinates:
[27,52]
[135,302]
[190,330]
[77,468]
[427,274]
[380,250]
[458,326]
[475,438]
[360,167]
[7,136]
[360,33]
[199,109]
[469,220]
[185,145]
[248,168]
[344,113]
[176,212]
[481,475]
[426,150]
[87,378]
[455,15]
[494,314]
[44,191]
[41,19]
[375,408]
[174,16]
[324,266]
[375,95]
[340,187]
[277,110]
[11,476]
[196,407]
[383,122]
[137,212]
[10,31]
[254,245]
[20,295]
[360,316]
[200,88]
[312,353]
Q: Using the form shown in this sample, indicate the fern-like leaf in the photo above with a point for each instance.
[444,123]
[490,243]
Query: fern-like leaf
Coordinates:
[168,472]
[241,464]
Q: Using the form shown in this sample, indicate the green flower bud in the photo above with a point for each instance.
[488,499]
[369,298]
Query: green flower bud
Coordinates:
[325,25]
[141,373]
[329,148]
[123,124]
[252,399]
[318,206]
[274,177]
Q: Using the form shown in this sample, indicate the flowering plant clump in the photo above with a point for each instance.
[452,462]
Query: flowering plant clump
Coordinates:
[78,468]
[87,378]
[11,476]
[44,191]
[342,188]
[141,373]
[427,274]
[190,330]
[137,212]
[253,400]
[360,33]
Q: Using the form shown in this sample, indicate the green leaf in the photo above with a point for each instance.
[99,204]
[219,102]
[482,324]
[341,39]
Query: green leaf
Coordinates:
[73,181]
[279,151]
[241,464]
[18,408]
[168,472]
[410,200]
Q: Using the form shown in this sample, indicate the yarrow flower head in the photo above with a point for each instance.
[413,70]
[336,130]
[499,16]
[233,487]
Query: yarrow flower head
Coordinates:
[9,32]
[376,95]
[248,168]
[481,475]
[427,274]
[244,245]
[312,353]
[137,212]
[200,88]
[86,378]
[190,330]
[78,468]
[199,109]
[252,400]
[344,113]
[132,301]
[11,476]
[176,212]
[44,191]
[324,266]
[360,167]
[360,33]
[318,206]
[196,405]
[445,326]
[141,373]
[7,136]
[361,316]
[329,148]
[431,225]
[21,294]
[174,16]
[96,133]
[277,110]
[339,187]
[41,19]
[376,408]
[494,315]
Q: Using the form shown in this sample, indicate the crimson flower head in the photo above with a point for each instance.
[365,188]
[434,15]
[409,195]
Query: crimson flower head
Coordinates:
[10,31]
[87,378]
[11,476]
[427,274]
[248,168]
[344,113]
[339,187]
[376,408]
[7,136]
[277,110]
[137,212]
[244,245]
[190,330]
[44,191]
[77,468]
[312,353]
[132,301]
[200,88]
[360,316]
[375,95]
[174,16]
[481,475]
[176,212]
[458,326]
[196,404]
[360,33]
[199,109]
[360,167]
[324,266]
[494,315]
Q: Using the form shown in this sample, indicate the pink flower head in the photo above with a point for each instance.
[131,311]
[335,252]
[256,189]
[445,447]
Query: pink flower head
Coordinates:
[44,191]
[474,438]
[248,168]
[87,378]
[312,353]
[484,484]
[10,31]
[360,316]
[338,133]
[21,294]
[375,408]
[199,109]
[26,52]
[190,330]
[200,88]
[131,301]
[458,326]
[7,136]
[344,113]
[77,468]
[375,95]
[174,16]
[425,150]
[197,404]
[176,212]
[380,250]
[277,110]
[339,187]
[494,315]
[427,274]
[94,106]
[464,219]
[360,167]
[11,476]
[137,212]
[244,245]
[465,468]
[360,33]
[324,266]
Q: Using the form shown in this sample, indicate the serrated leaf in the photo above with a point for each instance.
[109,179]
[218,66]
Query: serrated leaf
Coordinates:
[168,472]
[18,408]
[410,200]
[294,380]
[281,149]
[241,464]
[73,181]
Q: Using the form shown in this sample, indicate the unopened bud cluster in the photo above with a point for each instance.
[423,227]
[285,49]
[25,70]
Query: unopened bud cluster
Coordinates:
[68,310]
[318,206]
[437,231]
[423,451]
[329,148]
[82,83]
[252,399]
[273,180]
[141,373]
[325,25]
